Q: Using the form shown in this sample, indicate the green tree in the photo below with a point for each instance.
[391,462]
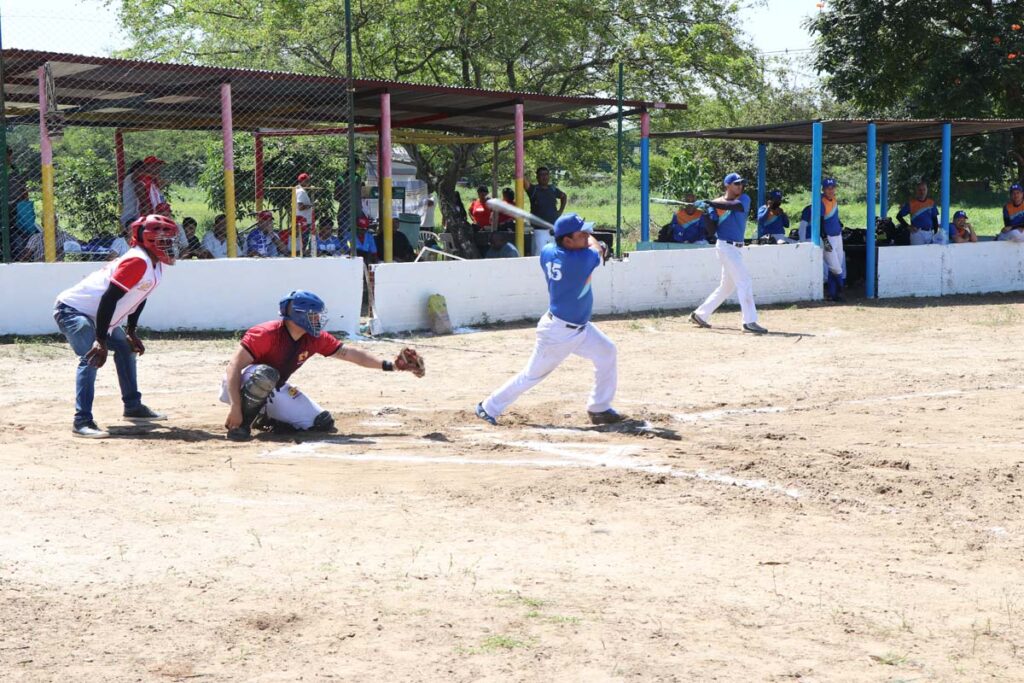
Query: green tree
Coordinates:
[941,58]
[561,47]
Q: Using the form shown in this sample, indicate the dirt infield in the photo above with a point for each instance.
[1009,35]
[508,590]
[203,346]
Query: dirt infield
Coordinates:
[837,502]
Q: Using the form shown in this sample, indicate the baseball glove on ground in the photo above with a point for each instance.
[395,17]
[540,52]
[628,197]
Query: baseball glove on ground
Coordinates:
[410,361]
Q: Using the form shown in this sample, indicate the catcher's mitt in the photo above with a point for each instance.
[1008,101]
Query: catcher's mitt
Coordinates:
[410,361]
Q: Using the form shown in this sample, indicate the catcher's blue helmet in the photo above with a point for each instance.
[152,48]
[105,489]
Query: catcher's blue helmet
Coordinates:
[306,310]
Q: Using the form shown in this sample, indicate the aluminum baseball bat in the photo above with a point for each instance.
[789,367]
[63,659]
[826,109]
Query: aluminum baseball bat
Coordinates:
[512,210]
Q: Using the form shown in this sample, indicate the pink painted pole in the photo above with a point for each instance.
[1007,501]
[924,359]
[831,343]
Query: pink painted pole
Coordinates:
[520,184]
[227,129]
[119,162]
[385,175]
[258,149]
[46,159]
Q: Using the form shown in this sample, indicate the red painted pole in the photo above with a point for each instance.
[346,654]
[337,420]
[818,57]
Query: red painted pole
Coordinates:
[258,146]
[119,160]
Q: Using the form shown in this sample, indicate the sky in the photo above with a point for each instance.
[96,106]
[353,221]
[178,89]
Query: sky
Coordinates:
[90,26]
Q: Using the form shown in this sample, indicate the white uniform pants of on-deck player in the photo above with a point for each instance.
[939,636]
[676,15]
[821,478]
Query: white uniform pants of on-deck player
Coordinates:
[735,277]
[555,343]
[286,404]
[835,257]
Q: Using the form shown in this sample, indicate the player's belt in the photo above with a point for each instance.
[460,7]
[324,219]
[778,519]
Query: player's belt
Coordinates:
[735,244]
[562,322]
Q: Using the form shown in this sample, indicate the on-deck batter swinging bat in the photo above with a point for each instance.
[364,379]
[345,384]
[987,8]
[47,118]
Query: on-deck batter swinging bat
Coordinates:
[512,210]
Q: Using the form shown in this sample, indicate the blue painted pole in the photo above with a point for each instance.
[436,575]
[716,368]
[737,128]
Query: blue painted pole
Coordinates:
[872,254]
[645,177]
[884,190]
[816,133]
[762,173]
[947,153]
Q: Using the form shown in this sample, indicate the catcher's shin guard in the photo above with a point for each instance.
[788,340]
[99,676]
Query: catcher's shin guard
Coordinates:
[256,392]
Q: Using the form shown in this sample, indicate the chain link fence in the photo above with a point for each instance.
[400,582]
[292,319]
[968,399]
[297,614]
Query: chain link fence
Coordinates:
[248,163]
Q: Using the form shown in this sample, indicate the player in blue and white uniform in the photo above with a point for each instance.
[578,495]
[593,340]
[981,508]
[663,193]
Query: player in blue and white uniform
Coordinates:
[565,329]
[732,209]
[832,227]
[688,223]
[924,217]
[772,219]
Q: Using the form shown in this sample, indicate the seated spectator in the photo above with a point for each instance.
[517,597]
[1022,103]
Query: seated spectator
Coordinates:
[687,226]
[262,241]
[193,247]
[366,245]
[327,243]
[924,216]
[401,250]
[772,220]
[1013,216]
[500,246]
[960,231]
[479,211]
[34,249]
[215,241]
[506,222]
[122,243]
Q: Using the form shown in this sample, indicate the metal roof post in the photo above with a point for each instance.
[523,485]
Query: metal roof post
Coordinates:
[816,184]
[872,253]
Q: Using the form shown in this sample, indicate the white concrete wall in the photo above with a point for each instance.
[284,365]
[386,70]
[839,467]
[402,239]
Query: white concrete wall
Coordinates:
[225,294]
[514,289]
[937,270]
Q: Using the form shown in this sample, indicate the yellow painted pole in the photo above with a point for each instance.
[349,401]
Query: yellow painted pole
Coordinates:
[227,131]
[46,156]
[295,218]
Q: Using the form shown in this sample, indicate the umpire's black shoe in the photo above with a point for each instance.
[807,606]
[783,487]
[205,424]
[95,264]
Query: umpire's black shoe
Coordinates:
[89,430]
[143,414]
[239,434]
[606,417]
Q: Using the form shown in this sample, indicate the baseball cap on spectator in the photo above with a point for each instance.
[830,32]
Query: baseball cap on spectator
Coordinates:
[162,206]
[363,222]
[570,223]
[734,178]
[264,215]
[960,214]
[828,182]
[1016,186]
[775,195]
[303,177]
[152,160]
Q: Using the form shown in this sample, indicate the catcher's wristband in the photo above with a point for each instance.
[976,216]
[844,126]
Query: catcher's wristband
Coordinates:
[387,366]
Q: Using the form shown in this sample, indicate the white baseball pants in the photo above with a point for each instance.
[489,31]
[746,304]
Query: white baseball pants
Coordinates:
[835,259]
[286,404]
[735,278]
[921,237]
[555,343]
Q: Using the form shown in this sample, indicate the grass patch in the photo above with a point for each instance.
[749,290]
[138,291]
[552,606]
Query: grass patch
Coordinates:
[502,642]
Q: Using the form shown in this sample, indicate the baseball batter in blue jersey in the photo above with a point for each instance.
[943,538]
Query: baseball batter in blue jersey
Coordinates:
[732,209]
[567,265]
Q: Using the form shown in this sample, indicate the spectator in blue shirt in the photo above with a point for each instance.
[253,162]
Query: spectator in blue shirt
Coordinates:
[687,225]
[327,243]
[262,241]
[366,245]
[772,219]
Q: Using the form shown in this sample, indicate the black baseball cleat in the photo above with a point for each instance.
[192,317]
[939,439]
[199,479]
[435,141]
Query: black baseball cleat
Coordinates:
[606,417]
[239,434]
[89,430]
[699,321]
[482,414]
[754,328]
[142,414]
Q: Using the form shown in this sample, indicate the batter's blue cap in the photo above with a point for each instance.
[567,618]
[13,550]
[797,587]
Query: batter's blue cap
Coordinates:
[828,182]
[960,214]
[1016,186]
[570,223]
[733,178]
[775,195]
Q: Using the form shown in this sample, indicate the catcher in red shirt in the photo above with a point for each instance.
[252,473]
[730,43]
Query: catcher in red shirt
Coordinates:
[256,385]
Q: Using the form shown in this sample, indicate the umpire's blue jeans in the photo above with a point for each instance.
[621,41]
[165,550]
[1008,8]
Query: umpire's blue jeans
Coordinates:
[80,331]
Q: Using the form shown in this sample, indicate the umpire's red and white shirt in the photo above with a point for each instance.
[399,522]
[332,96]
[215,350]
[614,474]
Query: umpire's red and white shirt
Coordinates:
[135,273]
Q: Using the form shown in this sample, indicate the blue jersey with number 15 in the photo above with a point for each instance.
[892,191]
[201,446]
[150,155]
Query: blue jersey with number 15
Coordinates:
[568,272]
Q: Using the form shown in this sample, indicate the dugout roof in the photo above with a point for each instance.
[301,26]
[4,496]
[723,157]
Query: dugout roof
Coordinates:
[98,91]
[852,131]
